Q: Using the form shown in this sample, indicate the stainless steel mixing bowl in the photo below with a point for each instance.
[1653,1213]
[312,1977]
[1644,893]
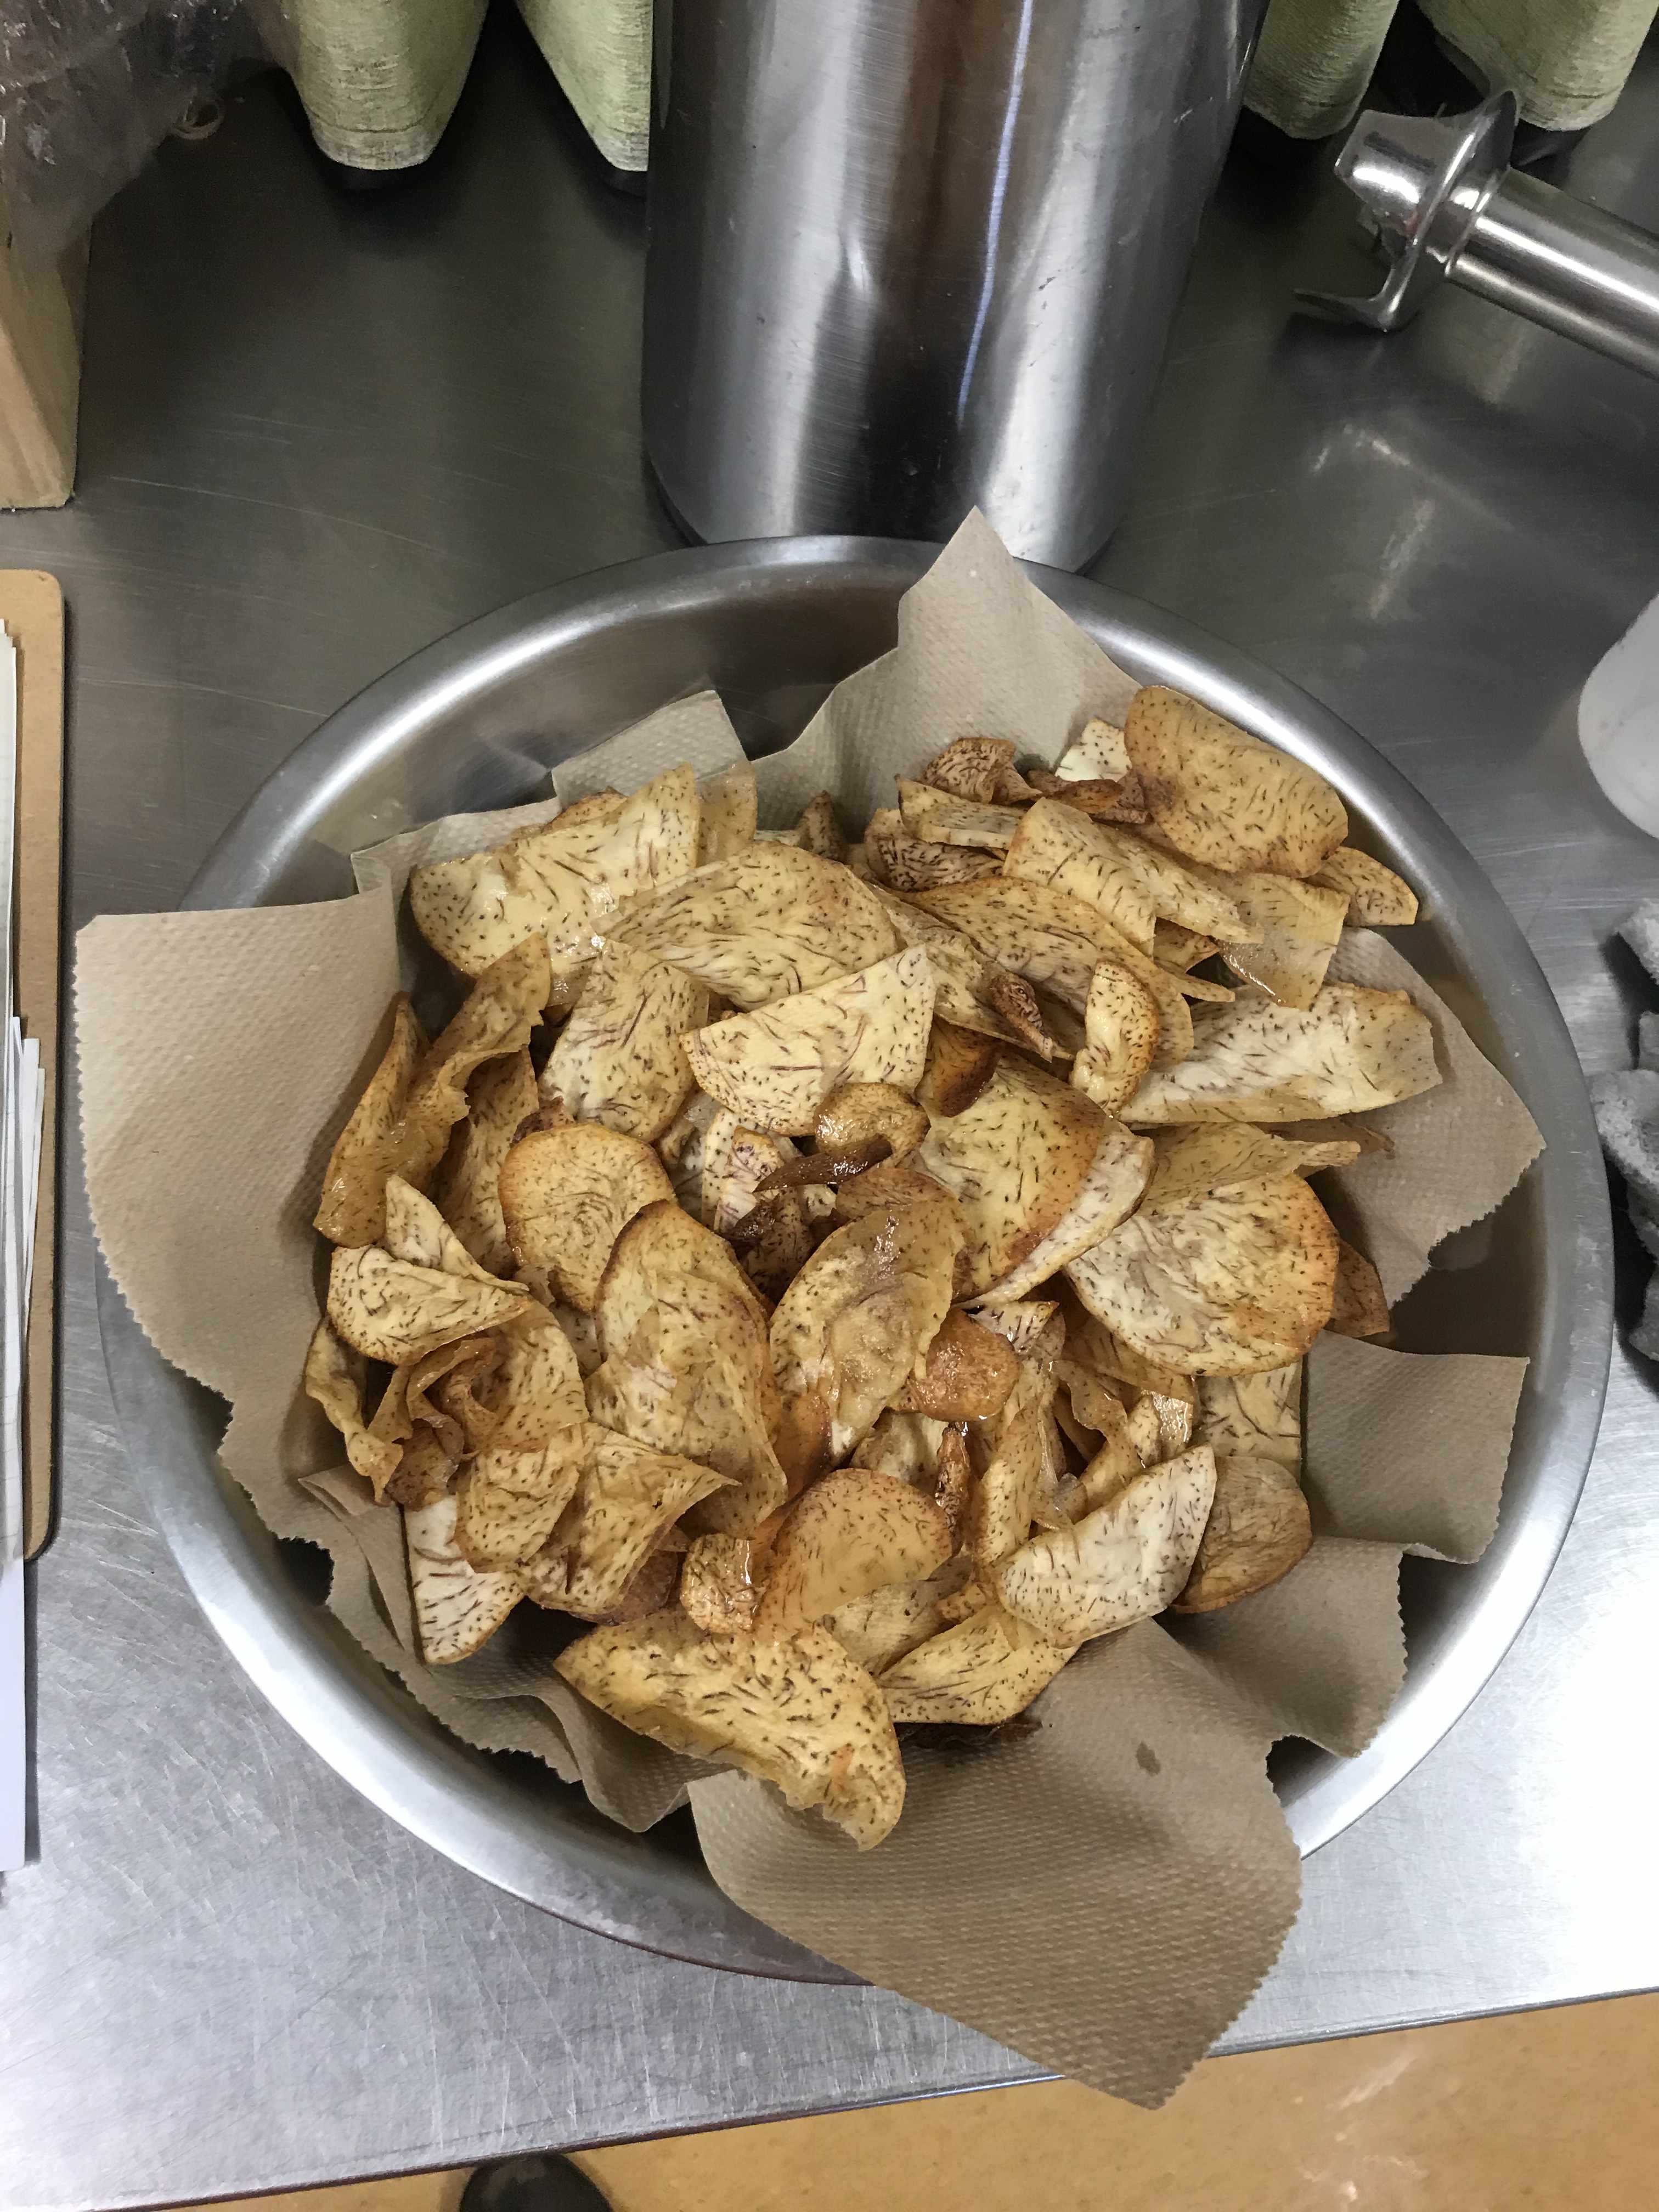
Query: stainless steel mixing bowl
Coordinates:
[473,722]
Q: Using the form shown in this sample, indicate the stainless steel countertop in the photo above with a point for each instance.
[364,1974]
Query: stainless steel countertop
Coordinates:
[316,433]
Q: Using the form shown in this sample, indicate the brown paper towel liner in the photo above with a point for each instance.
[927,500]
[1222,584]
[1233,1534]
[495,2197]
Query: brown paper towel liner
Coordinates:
[1166,1879]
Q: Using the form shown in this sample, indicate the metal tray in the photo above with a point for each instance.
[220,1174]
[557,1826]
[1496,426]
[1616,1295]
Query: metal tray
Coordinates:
[473,722]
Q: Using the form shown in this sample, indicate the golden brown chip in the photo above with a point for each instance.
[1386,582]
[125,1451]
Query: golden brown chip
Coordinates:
[429,1361]
[818,831]
[971,768]
[773,1241]
[1114,1360]
[1332,1128]
[1195,1157]
[1222,1283]
[1114,1464]
[628,1497]
[1352,1051]
[903,1444]
[1200,899]
[509,1495]
[1296,927]
[881,1627]
[333,1376]
[982,1672]
[498,1530]
[938,817]
[352,1208]
[1112,1188]
[1358,1307]
[463,1394]
[775,1067]
[1121,1027]
[1028,1017]
[857,1322]
[1257,1530]
[730,808]
[719,1585]
[384,1307]
[538,1394]
[1253,1416]
[707,1398]
[887,1187]
[1034,1327]
[495,1018]
[773,921]
[655,1584]
[1015,1158]
[688,1366]
[680,1149]
[1377,898]
[736,1161]
[851,1533]
[566,1195]
[581,1333]
[425,1473]
[1053,939]
[664,1261]
[966,1376]
[904,862]
[1098,751]
[860,1111]
[971,990]
[958,1069]
[499,1098]
[1180,949]
[1057,845]
[795,1711]
[1122,1563]
[418,1383]
[1085,1371]
[417,1232]
[619,1059]
[1056,942]
[1218,795]
[1159,1427]
[1005,1495]
[457,1609]
[1102,798]
[561,879]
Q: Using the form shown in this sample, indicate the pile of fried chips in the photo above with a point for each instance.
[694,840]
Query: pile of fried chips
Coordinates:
[850,1279]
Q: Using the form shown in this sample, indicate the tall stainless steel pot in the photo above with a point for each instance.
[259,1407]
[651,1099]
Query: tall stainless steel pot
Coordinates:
[908,256]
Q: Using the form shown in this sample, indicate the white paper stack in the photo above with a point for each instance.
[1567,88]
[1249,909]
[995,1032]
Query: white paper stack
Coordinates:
[23,1099]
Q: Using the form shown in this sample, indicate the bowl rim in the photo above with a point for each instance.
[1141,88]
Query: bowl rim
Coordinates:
[589,1871]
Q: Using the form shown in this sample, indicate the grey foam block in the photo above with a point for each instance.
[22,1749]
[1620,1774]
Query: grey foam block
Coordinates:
[1645,1223]
[1627,1116]
[1644,1337]
[1640,930]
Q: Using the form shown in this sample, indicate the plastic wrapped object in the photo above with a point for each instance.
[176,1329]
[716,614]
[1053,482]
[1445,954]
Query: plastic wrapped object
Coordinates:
[87,87]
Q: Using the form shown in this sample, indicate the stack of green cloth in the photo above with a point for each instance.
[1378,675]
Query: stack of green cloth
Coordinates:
[1566,59]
